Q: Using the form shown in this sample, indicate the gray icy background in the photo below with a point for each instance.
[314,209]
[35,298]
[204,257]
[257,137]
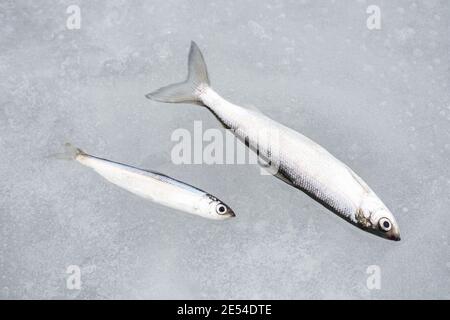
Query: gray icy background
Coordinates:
[378,100]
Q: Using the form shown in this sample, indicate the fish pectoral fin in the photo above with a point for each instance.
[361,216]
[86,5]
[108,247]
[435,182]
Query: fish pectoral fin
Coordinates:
[280,175]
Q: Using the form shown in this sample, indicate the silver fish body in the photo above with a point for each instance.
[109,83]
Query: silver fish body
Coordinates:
[300,161]
[155,187]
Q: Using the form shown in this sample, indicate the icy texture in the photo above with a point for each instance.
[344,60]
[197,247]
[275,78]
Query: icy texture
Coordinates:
[379,100]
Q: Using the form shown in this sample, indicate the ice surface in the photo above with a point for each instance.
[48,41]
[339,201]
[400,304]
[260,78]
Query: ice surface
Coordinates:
[377,99]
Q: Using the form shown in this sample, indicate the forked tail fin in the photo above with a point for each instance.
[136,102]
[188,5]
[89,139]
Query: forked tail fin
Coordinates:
[185,92]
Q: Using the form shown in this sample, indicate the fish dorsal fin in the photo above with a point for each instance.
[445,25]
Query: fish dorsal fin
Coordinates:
[165,178]
[359,180]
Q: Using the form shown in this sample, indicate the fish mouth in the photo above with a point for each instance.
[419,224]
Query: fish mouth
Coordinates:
[394,234]
[386,236]
[395,237]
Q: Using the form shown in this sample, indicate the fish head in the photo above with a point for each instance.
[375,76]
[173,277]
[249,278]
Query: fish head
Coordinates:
[217,209]
[374,217]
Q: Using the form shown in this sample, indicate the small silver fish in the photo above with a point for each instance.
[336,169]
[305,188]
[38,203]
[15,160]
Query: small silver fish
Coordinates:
[301,162]
[153,186]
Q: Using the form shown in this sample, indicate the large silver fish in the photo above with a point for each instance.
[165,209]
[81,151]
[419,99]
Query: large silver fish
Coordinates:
[153,186]
[301,162]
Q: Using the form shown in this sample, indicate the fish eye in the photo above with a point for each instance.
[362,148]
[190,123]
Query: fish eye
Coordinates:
[221,209]
[385,224]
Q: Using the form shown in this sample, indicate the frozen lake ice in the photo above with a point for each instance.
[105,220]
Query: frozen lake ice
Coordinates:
[377,99]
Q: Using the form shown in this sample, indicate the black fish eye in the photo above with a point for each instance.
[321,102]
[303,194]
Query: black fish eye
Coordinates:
[385,224]
[221,209]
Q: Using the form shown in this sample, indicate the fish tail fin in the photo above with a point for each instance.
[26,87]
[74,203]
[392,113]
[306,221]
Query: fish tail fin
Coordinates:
[186,91]
[70,153]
